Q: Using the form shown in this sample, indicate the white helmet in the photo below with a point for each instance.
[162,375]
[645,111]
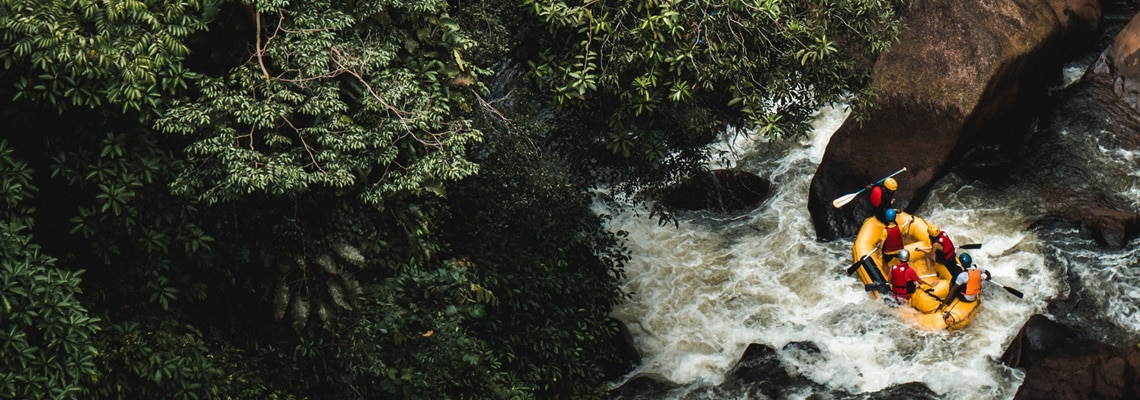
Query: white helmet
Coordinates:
[904,255]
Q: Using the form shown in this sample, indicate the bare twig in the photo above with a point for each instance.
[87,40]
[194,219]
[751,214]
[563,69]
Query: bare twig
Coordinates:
[489,107]
[260,50]
[308,149]
[260,53]
[400,113]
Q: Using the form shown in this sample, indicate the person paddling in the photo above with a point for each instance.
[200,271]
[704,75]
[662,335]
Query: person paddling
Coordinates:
[967,285]
[892,236]
[941,250]
[882,197]
[904,280]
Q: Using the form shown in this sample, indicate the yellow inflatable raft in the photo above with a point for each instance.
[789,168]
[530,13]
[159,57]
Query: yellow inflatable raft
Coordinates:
[928,312]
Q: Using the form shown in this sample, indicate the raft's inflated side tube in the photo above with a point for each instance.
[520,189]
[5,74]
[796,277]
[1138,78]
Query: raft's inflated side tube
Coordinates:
[954,316]
[960,313]
[931,314]
[928,301]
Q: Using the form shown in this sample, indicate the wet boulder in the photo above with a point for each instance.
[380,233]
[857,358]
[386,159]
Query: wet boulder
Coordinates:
[759,363]
[625,357]
[1118,67]
[1108,227]
[1037,335]
[761,374]
[1094,118]
[1105,102]
[1059,365]
[964,73]
[1108,91]
[644,386]
[758,372]
[721,190]
[905,391]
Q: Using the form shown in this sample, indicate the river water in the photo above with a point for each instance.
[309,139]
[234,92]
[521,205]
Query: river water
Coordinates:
[704,290]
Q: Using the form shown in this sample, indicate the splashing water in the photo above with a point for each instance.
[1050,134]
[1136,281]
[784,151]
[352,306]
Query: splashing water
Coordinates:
[703,291]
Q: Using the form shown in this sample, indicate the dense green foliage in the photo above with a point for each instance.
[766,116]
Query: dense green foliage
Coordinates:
[666,77]
[356,99]
[48,337]
[411,339]
[530,231]
[151,358]
[149,242]
[314,199]
[121,54]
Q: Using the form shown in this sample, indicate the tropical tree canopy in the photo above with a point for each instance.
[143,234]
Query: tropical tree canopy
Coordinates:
[387,199]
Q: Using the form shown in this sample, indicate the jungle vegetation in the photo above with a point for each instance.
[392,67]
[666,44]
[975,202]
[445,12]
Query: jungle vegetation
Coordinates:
[257,199]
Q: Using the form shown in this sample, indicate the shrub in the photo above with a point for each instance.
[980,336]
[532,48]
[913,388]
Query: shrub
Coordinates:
[46,347]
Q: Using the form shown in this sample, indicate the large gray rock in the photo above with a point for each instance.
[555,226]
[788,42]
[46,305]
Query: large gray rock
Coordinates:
[1059,365]
[963,74]
[1119,66]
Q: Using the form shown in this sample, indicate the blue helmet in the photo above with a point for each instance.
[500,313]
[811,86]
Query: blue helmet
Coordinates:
[890,214]
[965,260]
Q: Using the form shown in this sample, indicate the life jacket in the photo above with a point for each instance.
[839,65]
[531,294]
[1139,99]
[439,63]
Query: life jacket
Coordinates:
[876,196]
[947,254]
[899,284]
[893,242]
[974,285]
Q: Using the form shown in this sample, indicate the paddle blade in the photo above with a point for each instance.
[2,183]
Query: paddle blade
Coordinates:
[971,246]
[856,265]
[1014,292]
[843,200]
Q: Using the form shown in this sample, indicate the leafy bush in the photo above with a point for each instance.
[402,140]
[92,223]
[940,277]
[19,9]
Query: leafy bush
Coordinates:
[411,340]
[535,243]
[140,244]
[164,359]
[89,54]
[46,336]
[765,65]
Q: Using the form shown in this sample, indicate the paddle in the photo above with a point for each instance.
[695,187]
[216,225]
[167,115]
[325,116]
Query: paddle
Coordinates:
[844,199]
[855,266]
[971,246]
[1012,291]
[883,288]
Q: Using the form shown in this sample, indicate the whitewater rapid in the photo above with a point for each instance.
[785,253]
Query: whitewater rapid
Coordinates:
[703,290]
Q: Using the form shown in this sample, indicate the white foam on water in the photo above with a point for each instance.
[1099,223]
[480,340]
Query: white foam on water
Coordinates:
[706,289]
[1112,283]
[1071,74]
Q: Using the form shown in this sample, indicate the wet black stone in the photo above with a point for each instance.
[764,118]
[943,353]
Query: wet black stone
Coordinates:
[905,391]
[720,190]
[644,387]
